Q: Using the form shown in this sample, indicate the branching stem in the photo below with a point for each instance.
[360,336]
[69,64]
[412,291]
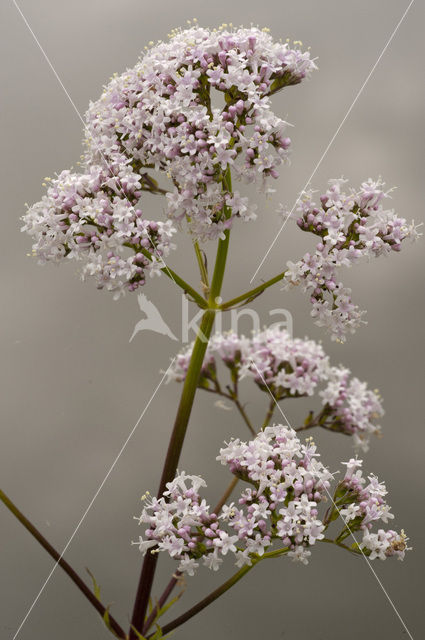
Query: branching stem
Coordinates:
[62,563]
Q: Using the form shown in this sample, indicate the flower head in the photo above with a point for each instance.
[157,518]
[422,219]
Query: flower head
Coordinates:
[162,115]
[279,506]
[351,225]
[287,367]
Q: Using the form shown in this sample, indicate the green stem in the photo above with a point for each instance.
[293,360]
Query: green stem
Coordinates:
[304,427]
[225,495]
[207,600]
[236,402]
[219,591]
[253,292]
[178,280]
[171,461]
[185,286]
[63,564]
[202,268]
[218,275]
[180,425]
[269,414]
[356,552]
[244,416]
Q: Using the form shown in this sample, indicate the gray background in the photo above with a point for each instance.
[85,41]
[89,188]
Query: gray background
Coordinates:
[73,387]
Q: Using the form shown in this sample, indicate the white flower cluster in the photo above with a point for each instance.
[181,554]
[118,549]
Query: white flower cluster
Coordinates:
[288,482]
[363,505]
[350,406]
[161,114]
[280,507]
[351,226]
[91,217]
[291,367]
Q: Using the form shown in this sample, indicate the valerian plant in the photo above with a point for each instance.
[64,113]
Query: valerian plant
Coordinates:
[161,118]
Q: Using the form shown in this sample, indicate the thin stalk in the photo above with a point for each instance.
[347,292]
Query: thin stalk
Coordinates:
[225,495]
[187,288]
[304,427]
[356,552]
[62,563]
[207,600]
[253,292]
[202,268]
[162,600]
[219,591]
[269,414]
[244,416]
[180,425]
[238,405]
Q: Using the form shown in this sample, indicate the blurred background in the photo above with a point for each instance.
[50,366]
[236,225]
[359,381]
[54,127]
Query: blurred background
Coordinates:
[73,386]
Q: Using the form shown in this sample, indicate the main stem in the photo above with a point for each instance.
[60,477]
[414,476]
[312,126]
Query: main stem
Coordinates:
[180,426]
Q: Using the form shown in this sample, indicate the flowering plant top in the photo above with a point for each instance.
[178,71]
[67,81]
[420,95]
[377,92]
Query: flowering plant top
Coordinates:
[160,115]
[197,111]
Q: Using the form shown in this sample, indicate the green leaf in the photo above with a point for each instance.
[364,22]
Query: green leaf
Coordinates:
[334,515]
[157,634]
[139,635]
[160,612]
[165,608]
[96,586]
[107,622]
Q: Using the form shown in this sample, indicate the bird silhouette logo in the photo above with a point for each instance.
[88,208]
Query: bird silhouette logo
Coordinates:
[153,320]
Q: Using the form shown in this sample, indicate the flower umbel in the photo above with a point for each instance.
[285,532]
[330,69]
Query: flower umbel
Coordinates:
[287,367]
[280,507]
[351,225]
[161,115]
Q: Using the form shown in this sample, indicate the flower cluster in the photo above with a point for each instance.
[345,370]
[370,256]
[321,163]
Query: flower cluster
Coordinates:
[291,367]
[92,217]
[286,366]
[280,507]
[363,504]
[162,114]
[350,407]
[351,226]
[288,482]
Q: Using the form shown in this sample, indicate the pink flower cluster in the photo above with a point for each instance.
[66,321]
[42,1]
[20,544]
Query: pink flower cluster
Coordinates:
[92,217]
[363,505]
[287,483]
[351,226]
[280,507]
[291,367]
[164,114]
[350,407]
[288,366]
